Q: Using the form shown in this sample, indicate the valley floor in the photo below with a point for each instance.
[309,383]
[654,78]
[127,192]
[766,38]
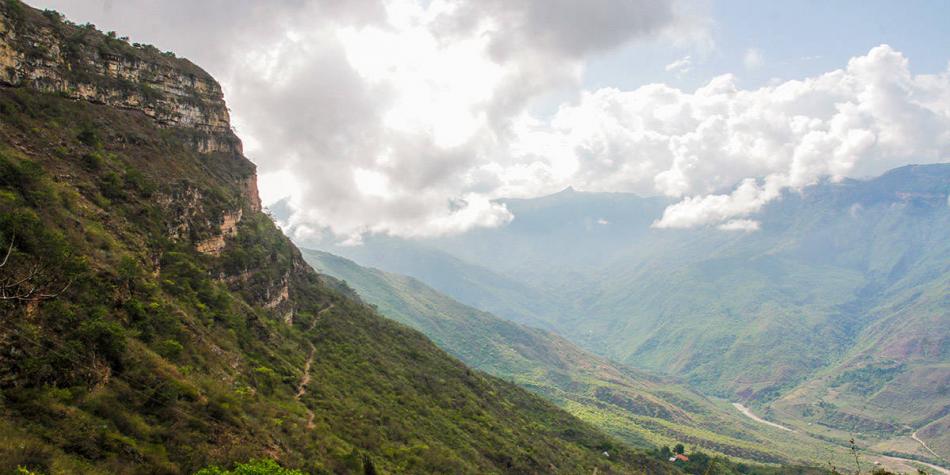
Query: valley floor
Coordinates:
[908,464]
[899,464]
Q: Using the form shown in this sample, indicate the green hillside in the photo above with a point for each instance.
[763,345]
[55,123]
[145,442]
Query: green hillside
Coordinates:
[637,407]
[469,284]
[154,320]
[843,279]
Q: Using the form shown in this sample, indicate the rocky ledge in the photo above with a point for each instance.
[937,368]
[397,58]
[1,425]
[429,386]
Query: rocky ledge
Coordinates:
[43,51]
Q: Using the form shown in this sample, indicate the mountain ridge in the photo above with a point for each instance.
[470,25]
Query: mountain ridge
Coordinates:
[751,316]
[637,407]
[159,322]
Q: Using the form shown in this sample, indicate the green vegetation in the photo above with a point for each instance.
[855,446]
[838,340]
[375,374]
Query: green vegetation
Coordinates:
[844,275]
[125,350]
[85,46]
[254,467]
[868,379]
[636,407]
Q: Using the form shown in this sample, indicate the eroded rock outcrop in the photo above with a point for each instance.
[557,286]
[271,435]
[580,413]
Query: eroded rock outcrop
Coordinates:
[42,51]
[51,55]
[228,228]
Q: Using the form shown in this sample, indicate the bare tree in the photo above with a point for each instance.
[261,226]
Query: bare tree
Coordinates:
[35,281]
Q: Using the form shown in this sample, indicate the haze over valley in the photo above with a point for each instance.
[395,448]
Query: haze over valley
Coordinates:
[297,237]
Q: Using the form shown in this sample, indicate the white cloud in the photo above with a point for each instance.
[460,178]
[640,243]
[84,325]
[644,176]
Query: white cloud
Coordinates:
[745,225]
[862,120]
[389,116]
[748,198]
[405,117]
[753,59]
[680,66]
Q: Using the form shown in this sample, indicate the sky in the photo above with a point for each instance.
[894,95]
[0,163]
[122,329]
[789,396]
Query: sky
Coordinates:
[411,118]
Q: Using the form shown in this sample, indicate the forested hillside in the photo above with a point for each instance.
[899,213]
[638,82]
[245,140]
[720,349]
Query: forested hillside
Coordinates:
[154,320]
[639,408]
[844,281]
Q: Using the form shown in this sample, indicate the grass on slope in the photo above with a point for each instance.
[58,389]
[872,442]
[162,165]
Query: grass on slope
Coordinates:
[636,407]
[158,359]
[842,276]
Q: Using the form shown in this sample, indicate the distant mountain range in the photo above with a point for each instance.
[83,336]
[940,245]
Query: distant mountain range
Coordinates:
[834,315]
[639,408]
[155,320]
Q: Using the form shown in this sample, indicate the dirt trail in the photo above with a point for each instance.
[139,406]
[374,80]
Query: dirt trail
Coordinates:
[305,378]
[302,386]
[745,410]
[924,445]
[918,462]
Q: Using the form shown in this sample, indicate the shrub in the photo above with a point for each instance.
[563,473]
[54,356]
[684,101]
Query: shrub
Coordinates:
[29,457]
[254,467]
[89,136]
[111,186]
[92,161]
[170,349]
[105,338]
[265,379]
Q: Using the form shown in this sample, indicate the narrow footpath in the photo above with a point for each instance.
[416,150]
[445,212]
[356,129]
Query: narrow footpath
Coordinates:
[924,445]
[305,377]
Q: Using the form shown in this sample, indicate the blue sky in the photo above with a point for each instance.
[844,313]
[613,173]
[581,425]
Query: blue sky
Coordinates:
[796,39]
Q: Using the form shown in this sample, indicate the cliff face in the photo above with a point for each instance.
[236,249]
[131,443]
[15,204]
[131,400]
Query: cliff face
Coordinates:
[159,322]
[46,53]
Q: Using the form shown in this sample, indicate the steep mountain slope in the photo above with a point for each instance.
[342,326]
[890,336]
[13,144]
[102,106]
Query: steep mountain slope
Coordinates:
[845,275]
[154,320]
[894,381]
[636,407]
[842,276]
[470,284]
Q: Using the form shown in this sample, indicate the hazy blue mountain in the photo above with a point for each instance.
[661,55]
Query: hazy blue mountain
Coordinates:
[468,283]
[565,233]
[841,275]
[639,408]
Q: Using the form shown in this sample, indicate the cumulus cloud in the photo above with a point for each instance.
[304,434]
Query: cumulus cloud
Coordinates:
[748,198]
[559,28]
[389,116]
[861,120]
[410,118]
